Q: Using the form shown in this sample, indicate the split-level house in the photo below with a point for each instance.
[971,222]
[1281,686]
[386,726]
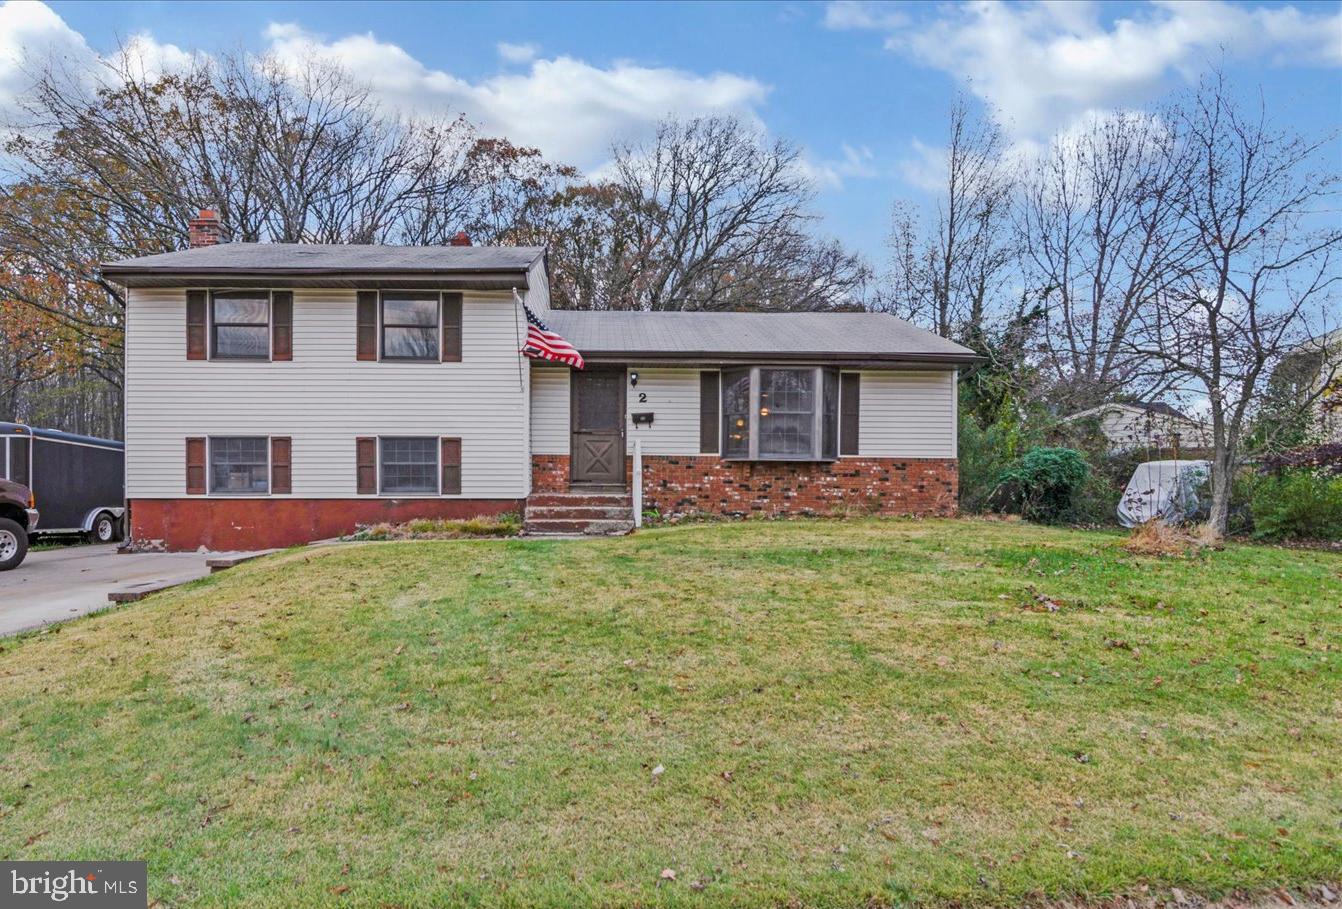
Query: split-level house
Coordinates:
[283,393]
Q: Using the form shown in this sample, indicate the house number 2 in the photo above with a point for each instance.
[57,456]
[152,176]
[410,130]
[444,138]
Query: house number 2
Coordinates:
[642,397]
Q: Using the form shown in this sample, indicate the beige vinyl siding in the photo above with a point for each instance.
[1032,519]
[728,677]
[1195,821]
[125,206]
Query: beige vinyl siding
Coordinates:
[324,399]
[538,291]
[673,399]
[907,415]
[549,410]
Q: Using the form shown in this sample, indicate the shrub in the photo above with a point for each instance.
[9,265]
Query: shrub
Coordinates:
[1326,458]
[1042,485]
[1297,504]
[504,525]
[985,454]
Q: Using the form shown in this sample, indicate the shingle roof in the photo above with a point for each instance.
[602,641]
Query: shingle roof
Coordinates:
[707,335]
[268,258]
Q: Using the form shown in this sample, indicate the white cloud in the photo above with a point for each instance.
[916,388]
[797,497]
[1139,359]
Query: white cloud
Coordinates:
[1043,64]
[31,38]
[148,59]
[844,14]
[927,168]
[34,40]
[517,53]
[567,107]
[854,162]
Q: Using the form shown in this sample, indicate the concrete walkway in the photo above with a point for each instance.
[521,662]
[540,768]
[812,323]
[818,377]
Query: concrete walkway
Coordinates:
[58,584]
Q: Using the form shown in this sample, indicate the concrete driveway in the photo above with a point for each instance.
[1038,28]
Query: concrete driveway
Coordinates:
[58,584]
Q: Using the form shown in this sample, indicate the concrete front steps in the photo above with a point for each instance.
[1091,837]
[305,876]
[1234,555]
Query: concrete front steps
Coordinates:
[578,512]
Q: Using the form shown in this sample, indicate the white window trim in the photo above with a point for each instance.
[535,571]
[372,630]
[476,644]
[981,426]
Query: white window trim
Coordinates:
[437,470]
[209,468]
[270,324]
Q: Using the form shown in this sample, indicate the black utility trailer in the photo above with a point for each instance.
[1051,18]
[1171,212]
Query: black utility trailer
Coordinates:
[79,482]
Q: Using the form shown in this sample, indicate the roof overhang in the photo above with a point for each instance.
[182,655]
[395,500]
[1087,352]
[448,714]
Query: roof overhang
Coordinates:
[747,358]
[216,278]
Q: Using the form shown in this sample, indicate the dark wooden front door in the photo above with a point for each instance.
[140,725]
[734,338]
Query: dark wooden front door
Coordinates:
[597,408]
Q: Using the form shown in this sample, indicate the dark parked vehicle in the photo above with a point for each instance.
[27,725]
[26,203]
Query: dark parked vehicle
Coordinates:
[18,518]
[79,480]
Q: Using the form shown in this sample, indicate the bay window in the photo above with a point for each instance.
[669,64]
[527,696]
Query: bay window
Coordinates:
[775,413]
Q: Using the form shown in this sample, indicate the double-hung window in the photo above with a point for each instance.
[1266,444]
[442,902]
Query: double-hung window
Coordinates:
[239,465]
[778,413]
[240,325]
[410,325]
[409,465]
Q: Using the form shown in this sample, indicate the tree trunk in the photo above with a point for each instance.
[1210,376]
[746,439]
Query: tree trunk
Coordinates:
[1223,479]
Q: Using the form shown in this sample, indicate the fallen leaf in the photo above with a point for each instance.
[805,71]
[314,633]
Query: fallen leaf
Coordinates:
[668,874]
[343,888]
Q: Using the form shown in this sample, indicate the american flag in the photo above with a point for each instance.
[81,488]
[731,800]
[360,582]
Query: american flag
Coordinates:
[543,344]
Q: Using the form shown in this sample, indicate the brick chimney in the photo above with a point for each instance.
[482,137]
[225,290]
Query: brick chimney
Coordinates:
[461,239]
[203,230]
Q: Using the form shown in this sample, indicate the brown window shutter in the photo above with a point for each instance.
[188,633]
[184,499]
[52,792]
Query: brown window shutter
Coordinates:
[365,456]
[850,396]
[366,343]
[708,412]
[197,329]
[282,325]
[451,467]
[451,328]
[281,464]
[195,467]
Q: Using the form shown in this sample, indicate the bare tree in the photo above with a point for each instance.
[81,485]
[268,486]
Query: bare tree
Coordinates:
[949,278]
[1099,220]
[710,215]
[1256,203]
[112,164]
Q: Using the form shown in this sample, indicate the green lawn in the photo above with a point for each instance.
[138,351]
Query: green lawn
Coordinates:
[844,714]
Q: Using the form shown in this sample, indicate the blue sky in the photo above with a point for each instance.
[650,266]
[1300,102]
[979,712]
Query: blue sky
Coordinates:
[862,88]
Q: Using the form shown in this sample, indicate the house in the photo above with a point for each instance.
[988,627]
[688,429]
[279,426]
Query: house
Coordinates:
[281,393]
[1313,372]
[1131,425]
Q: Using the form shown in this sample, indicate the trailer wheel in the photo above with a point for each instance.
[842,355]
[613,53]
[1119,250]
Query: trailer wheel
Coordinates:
[13,544]
[104,528]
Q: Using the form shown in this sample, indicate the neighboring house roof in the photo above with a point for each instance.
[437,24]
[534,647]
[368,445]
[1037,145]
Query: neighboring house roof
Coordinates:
[1159,407]
[724,336]
[313,264]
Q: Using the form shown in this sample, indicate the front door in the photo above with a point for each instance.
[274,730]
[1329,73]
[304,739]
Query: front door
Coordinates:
[597,446]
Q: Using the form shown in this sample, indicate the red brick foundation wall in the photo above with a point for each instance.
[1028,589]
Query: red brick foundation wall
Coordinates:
[220,524]
[705,484]
[549,473]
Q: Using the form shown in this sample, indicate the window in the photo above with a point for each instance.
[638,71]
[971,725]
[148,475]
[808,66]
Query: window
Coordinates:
[409,326]
[240,325]
[736,413]
[409,465]
[239,465]
[780,413]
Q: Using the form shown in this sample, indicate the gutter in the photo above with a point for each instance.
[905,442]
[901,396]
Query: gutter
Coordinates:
[747,358]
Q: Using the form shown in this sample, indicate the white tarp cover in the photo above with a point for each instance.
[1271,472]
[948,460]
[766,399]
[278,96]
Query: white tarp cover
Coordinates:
[1163,489]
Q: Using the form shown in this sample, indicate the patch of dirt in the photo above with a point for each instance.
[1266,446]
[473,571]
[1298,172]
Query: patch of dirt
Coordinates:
[1326,895]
